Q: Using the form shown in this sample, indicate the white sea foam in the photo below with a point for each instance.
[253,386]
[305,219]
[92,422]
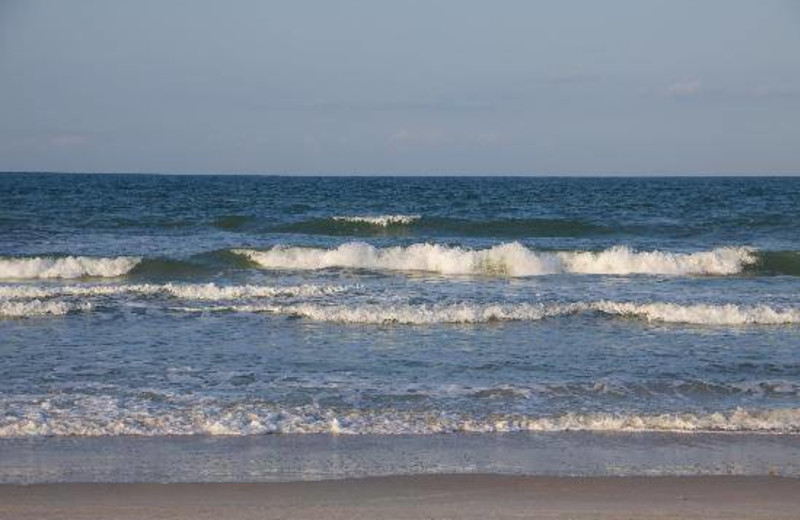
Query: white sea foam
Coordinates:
[380,220]
[375,314]
[47,300]
[414,314]
[208,291]
[32,308]
[509,259]
[66,267]
[110,416]
[211,291]
[701,314]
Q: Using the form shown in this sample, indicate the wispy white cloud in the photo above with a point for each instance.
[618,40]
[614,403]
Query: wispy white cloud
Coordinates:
[687,88]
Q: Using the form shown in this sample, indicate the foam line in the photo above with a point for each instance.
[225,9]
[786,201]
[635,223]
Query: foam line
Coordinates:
[27,309]
[508,259]
[66,267]
[376,314]
[208,291]
[100,416]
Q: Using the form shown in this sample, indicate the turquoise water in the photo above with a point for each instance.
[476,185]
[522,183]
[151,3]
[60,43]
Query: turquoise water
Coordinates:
[224,305]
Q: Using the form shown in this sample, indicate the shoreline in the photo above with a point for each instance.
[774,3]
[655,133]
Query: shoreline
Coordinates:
[565,475]
[316,457]
[416,496]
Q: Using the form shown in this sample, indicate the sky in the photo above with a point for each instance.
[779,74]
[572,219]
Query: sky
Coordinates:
[374,87]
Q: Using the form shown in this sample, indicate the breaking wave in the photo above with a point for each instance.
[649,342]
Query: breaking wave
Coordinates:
[66,267]
[406,314]
[380,220]
[375,314]
[509,259]
[33,308]
[107,416]
[701,314]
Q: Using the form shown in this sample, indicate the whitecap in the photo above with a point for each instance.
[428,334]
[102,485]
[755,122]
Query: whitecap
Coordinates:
[207,291]
[26,309]
[66,267]
[380,220]
[101,416]
[508,259]
[474,313]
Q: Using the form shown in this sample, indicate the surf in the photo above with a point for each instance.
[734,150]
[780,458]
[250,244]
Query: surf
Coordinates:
[66,267]
[508,259]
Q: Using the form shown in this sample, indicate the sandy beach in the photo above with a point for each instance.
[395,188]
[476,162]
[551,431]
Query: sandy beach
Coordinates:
[432,496]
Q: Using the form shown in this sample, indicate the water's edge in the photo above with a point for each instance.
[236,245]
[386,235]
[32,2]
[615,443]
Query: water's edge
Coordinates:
[319,457]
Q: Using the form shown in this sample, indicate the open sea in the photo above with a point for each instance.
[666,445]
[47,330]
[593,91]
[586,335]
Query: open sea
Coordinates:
[202,307]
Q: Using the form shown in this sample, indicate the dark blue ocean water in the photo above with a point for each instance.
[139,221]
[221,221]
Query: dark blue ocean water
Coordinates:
[157,305]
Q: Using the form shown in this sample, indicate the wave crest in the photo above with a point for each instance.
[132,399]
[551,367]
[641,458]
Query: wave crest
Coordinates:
[97,416]
[27,309]
[207,291]
[66,267]
[380,220]
[701,314]
[421,314]
[406,314]
[509,259]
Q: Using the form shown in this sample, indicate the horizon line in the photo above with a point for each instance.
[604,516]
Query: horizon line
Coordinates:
[415,175]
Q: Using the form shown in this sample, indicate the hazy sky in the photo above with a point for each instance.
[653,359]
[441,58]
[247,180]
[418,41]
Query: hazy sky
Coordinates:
[404,86]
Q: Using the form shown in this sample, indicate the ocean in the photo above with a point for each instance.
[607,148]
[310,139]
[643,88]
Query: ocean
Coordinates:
[256,307]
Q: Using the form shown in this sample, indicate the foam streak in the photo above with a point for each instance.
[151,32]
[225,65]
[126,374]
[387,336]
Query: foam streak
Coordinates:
[209,291]
[100,416]
[376,314]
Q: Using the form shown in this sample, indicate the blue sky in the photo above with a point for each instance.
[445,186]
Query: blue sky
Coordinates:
[402,87]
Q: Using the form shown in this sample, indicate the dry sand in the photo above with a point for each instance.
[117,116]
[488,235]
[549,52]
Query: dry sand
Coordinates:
[421,496]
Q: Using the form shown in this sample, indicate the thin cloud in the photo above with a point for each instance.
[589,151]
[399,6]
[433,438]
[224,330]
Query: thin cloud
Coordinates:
[684,89]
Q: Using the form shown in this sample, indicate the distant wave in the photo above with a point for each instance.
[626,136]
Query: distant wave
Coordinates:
[383,225]
[97,416]
[65,267]
[509,259]
[207,291]
[378,314]
[352,225]
[380,220]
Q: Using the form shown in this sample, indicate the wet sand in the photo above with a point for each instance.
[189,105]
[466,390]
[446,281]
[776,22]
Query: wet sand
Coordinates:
[420,496]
